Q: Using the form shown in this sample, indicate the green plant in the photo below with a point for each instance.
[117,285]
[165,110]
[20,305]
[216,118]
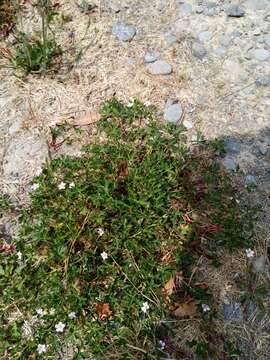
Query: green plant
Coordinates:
[106,233]
[36,54]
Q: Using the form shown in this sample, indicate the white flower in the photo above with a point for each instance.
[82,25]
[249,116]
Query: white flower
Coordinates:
[250,253]
[72,315]
[130,103]
[100,231]
[19,255]
[71,185]
[60,327]
[62,185]
[147,103]
[205,308]
[41,348]
[162,344]
[104,255]
[145,307]
[34,187]
[40,312]
[38,171]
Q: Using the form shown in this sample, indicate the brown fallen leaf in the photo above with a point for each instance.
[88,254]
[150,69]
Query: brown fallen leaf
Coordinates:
[104,311]
[171,285]
[186,309]
[88,119]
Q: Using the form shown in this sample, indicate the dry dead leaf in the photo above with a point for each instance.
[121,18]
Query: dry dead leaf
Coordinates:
[186,309]
[104,311]
[88,119]
[171,285]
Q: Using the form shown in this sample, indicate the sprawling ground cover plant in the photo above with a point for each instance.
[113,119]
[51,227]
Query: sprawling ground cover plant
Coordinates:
[106,248]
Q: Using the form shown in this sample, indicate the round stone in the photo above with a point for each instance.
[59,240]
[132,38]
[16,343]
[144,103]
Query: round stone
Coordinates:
[266,40]
[235,11]
[205,36]
[159,67]
[263,80]
[173,113]
[229,164]
[198,50]
[250,180]
[150,57]
[124,32]
[261,54]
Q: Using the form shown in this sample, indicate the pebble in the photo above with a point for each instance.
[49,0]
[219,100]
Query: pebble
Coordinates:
[199,9]
[124,32]
[263,148]
[225,40]
[232,146]
[173,113]
[234,10]
[261,54]
[187,8]
[170,39]
[220,51]
[150,57]
[229,164]
[263,80]
[205,36]
[250,180]
[259,264]
[187,124]
[159,67]
[232,311]
[257,4]
[86,7]
[266,40]
[198,50]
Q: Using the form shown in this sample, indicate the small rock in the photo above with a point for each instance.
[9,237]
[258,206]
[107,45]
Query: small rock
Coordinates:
[150,57]
[205,36]
[173,113]
[229,164]
[232,146]
[159,67]
[86,7]
[225,40]
[250,180]
[263,148]
[266,40]
[259,264]
[198,50]
[199,9]
[232,311]
[235,11]
[261,54]
[263,80]
[220,51]
[211,8]
[170,39]
[187,8]
[187,124]
[124,32]
[257,4]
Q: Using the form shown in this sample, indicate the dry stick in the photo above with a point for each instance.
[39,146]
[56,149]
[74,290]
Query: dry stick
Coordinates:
[136,348]
[120,268]
[194,270]
[236,91]
[66,262]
